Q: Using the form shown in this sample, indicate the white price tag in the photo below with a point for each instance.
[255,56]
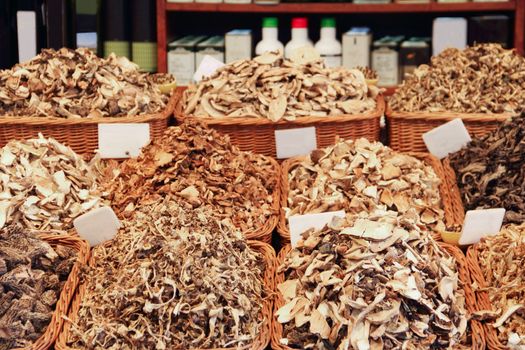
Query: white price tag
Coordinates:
[447,138]
[97,226]
[481,223]
[122,140]
[207,67]
[300,223]
[295,142]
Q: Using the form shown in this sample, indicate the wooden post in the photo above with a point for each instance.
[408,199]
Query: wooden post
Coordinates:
[162,34]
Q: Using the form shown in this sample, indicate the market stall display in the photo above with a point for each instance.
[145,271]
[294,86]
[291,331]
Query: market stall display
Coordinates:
[490,172]
[496,265]
[371,282]
[174,278]
[65,94]
[361,176]
[45,185]
[250,99]
[38,275]
[483,85]
[201,167]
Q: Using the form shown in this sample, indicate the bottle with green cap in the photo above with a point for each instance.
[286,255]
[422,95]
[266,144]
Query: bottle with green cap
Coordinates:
[270,40]
[328,46]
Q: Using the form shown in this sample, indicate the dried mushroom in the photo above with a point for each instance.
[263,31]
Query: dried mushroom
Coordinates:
[371,282]
[45,185]
[275,88]
[32,275]
[172,278]
[485,78]
[78,84]
[200,167]
[502,260]
[361,176]
[490,171]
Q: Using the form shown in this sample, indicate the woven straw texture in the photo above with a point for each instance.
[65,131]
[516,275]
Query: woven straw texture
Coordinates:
[289,164]
[406,129]
[453,191]
[53,329]
[260,343]
[80,134]
[475,339]
[258,134]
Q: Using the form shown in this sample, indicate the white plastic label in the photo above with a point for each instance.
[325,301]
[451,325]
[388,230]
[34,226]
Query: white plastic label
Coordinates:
[207,67]
[97,226]
[447,138]
[295,142]
[300,223]
[481,223]
[122,140]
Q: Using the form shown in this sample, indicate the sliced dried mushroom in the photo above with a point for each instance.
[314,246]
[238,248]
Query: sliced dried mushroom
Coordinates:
[391,288]
[490,171]
[485,78]
[172,278]
[78,84]
[501,260]
[275,88]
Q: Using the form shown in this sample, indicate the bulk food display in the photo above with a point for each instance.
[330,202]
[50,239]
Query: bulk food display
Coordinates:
[483,85]
[250,99]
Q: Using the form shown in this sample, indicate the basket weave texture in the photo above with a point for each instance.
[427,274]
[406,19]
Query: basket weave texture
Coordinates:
[81,134]
[444,189]
[81,248]
[406,129]
[264,336]
[258,134]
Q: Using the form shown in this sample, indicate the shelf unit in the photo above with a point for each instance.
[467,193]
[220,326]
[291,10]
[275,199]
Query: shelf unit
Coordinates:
[512,7]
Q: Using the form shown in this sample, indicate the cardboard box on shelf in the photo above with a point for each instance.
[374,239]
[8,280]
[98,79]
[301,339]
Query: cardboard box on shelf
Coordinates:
[213,46]
[238,45]
[356,47]
[413,52]
[181,58]
[448,32]
[385,60]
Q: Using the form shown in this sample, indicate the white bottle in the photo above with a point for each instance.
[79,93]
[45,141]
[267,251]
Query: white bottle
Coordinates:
[270,41]
[299,36]
[328,46]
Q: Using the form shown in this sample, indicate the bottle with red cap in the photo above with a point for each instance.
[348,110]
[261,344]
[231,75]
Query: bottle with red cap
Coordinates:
[299,36]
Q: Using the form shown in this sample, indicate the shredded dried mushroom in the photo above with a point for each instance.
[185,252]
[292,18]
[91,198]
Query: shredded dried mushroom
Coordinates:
[45,185]
[373,281]
[32,275]
[502,260]
[360,176]
[172,278]
[490,171]
[275,88]
[200,167]
[485,78]
[77,84]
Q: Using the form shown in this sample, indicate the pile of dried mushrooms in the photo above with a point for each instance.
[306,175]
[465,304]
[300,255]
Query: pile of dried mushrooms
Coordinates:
[172,278]
[200,167]
[45,185]
[78,84]
[371,282]
[361,176]
[32,275]
[272,87]
[502,260]
[490,171]
[485,78]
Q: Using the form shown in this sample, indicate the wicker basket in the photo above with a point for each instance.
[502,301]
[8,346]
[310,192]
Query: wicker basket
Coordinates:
[406,129]
[263,338]
[453,190]
[475,337]
[82,249]
[287,165]
[258,135]
[80,134]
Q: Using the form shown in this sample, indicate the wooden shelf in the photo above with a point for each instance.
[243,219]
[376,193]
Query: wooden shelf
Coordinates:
[344,7]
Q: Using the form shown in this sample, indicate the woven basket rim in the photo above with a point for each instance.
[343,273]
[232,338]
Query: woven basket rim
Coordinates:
[145,118]
[263,338]
[81,248]
[453,190]
[448,115]
[180,116]
[447,203]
